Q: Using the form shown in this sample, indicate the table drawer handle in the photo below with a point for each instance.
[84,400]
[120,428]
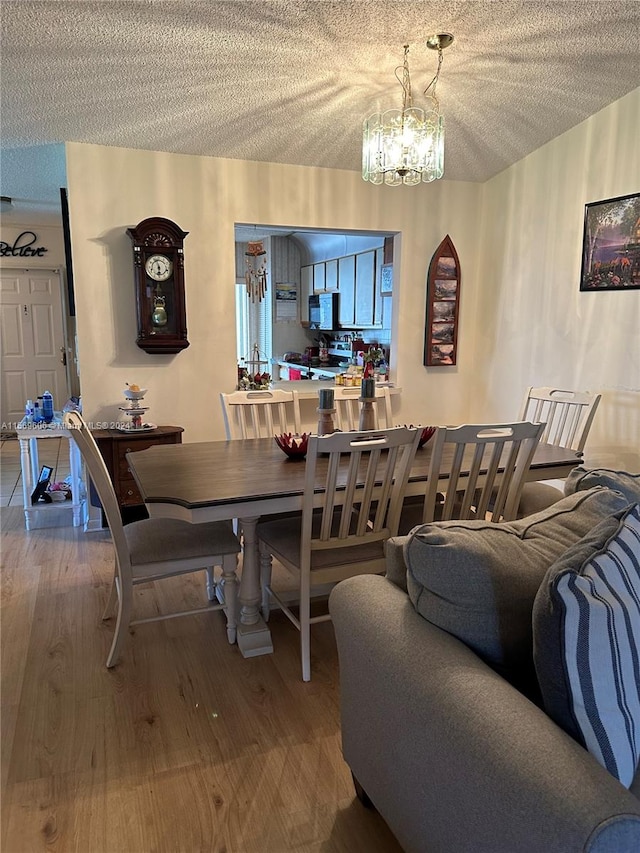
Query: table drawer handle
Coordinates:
[128,450]
[129,491]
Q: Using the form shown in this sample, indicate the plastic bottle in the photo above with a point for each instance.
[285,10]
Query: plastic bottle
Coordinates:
[47,407]
[28,412]
[37,412]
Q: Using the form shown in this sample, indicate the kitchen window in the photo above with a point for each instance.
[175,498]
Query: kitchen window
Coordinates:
[253,324]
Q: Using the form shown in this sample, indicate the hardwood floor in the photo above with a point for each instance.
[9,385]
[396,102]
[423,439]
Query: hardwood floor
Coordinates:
[184,746]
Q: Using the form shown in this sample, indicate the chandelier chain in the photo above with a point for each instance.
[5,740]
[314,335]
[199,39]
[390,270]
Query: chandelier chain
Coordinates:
[405,80]
[430,90]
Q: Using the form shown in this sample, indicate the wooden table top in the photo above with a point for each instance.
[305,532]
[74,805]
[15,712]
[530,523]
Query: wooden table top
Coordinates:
[212,473]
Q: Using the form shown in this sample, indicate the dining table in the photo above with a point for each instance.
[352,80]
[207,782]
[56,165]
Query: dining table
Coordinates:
[248,479]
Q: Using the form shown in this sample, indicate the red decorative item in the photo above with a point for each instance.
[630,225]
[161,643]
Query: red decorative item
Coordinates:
[295,446]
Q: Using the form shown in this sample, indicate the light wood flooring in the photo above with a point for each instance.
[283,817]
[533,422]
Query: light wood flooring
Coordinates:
[184,746]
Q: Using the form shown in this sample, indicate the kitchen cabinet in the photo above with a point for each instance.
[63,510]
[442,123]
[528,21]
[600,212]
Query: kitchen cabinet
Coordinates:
[377,289]
[331,275]
[346,289]
[318,278]
[365,290]
[306,289]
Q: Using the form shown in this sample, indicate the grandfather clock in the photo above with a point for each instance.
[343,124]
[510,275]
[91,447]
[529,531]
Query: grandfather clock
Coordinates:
[158,263]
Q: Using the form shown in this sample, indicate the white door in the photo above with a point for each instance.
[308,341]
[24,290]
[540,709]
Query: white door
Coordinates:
[31,341]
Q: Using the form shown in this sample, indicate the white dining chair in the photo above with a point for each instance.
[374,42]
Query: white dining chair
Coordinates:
[156,548]
[354,488]
[476,471]
[347,405]
[260,414]
[567,417]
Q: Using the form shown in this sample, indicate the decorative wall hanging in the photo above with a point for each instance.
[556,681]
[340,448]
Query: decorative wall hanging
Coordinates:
[443,307]
[256,273]
[158,263]
[611,244]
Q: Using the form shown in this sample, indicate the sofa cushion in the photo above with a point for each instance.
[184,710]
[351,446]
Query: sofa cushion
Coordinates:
[478,579]
[582,478]
[586,630]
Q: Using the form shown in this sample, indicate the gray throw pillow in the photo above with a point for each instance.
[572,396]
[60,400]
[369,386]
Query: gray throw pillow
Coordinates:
[586,632]
[582,478]
[478,579]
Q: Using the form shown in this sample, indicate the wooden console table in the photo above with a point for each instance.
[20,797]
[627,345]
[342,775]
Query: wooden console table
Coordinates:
[114,445]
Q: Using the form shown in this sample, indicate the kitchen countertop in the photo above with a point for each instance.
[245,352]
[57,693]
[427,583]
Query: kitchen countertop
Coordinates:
[308,389]
[318,370]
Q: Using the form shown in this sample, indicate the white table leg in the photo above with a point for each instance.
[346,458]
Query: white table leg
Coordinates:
[254,638]
[76,483]
[27,474]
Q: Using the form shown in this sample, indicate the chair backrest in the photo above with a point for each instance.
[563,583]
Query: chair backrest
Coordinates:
[567,415]
[347,404]
[363,488]
[260,414]
[485,466]
[94,464]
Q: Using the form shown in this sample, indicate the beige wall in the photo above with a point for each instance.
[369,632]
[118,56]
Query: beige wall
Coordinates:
[113,189]
[534,325]
[523,320]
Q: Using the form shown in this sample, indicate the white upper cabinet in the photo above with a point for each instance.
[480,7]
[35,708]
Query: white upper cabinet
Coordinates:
[346,289]
[365,289]
[318,278]
[331,275]
[306,289]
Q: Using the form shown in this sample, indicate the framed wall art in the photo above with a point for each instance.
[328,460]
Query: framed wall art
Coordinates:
[386,279]
[443,307]
[611,244]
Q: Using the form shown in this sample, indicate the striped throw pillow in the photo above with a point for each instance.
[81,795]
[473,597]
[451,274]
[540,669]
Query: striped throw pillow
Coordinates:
[586,629]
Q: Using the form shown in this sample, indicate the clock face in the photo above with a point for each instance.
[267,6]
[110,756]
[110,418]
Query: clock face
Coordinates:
[158,267]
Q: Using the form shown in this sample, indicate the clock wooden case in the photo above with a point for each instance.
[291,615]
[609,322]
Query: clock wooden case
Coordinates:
[158,263]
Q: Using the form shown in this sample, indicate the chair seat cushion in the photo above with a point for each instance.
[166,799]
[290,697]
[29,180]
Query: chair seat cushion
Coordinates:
[537,496]
[160,540]
[283,537]
[478,579]
[586,629]
[622,481]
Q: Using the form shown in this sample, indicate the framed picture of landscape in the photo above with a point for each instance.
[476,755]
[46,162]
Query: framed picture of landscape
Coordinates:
[443,306]
[611,244]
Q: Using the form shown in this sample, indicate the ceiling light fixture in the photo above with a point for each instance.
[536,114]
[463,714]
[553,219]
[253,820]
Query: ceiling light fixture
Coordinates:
[407,146]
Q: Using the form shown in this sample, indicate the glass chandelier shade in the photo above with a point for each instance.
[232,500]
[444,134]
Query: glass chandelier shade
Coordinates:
[405,146]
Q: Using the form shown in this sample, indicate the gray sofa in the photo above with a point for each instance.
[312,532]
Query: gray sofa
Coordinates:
[443,726]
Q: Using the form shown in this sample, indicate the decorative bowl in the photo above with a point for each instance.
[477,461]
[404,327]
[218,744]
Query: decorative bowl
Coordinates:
[295,446]
[427,433]
[134,395]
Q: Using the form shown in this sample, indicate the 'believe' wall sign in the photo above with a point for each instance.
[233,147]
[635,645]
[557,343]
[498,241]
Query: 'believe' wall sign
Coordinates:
[22,247]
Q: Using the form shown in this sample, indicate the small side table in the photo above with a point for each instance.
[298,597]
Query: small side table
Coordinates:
[114,445]
[28,434]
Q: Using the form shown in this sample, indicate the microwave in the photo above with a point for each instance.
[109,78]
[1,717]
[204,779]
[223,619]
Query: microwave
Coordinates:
[323,311]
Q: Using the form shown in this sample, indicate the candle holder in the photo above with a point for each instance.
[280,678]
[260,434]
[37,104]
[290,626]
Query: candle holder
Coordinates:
[367,399]
[325,421]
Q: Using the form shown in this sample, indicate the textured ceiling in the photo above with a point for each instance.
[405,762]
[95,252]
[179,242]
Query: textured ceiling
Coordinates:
[291,80]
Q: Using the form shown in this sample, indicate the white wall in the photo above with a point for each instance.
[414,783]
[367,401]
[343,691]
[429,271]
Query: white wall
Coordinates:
[534,325]
[112,189]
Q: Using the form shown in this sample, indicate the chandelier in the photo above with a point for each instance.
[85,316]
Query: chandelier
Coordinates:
[256,273]
[407,146]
